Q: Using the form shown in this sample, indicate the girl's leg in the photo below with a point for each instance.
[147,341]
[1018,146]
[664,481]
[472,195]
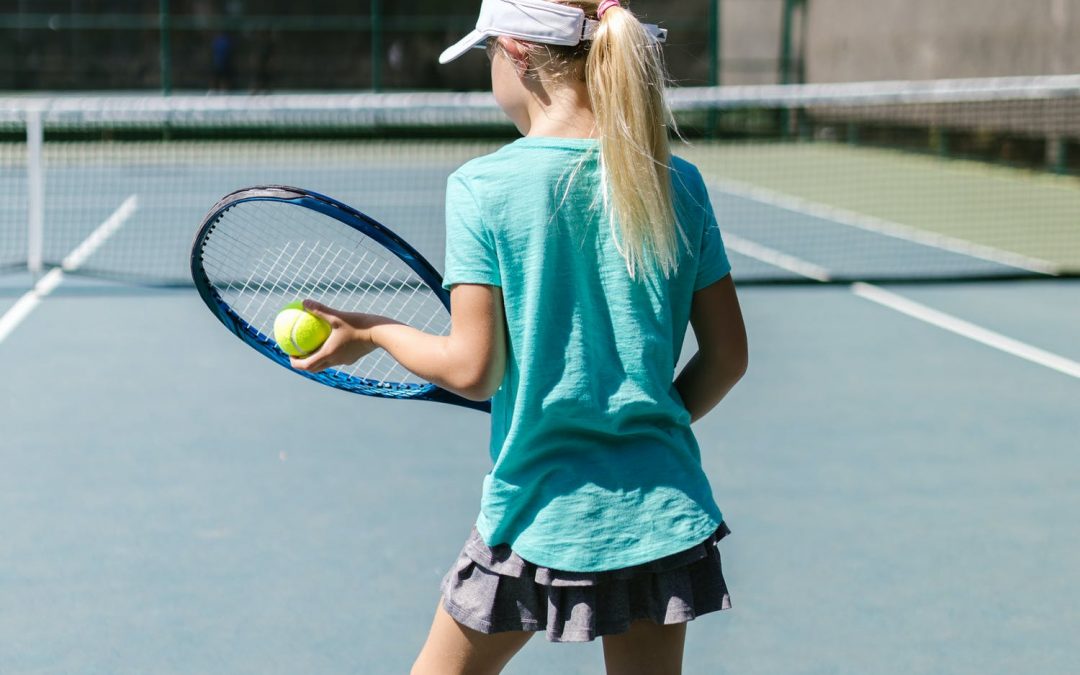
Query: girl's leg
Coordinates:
[646,649]
[453,649]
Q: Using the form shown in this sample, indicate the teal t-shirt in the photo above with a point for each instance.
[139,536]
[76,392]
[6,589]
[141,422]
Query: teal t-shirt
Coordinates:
[595,465]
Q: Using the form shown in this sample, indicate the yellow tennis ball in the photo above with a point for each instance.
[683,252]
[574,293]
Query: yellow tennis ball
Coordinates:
[298,332]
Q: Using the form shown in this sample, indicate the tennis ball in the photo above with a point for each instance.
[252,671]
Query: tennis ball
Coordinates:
[299,332]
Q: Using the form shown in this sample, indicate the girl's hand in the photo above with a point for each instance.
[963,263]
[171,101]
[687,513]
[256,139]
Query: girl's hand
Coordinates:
[470,361]
[349,341]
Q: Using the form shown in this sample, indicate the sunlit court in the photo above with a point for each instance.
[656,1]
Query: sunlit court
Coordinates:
[898,466]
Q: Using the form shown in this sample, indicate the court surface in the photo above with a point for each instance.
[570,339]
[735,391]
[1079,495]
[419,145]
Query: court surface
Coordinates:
[903,499]
[901,487]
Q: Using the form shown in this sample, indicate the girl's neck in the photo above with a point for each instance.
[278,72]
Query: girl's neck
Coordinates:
[561,111]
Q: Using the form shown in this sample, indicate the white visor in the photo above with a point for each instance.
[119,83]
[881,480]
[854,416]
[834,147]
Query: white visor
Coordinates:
[548,23]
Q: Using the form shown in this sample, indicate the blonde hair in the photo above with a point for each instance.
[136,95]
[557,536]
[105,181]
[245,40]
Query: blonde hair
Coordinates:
[626,80]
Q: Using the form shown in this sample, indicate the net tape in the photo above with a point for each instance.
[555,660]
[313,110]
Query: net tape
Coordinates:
[480,108]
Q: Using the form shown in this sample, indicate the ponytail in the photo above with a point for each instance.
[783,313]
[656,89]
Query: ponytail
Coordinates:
[625,77]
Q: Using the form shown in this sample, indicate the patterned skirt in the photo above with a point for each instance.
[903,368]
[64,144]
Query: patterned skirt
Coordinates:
[493,590]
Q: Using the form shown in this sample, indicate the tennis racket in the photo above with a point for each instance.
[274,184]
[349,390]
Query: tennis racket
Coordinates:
[262,247]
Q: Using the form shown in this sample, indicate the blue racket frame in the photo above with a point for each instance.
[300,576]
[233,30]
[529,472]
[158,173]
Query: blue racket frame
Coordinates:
[265,344]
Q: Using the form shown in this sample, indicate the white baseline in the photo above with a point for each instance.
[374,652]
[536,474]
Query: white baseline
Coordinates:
[74,260]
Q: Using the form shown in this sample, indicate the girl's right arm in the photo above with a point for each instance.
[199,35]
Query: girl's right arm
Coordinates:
[722,356]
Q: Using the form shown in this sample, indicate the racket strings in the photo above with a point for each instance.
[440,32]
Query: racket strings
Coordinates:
[263,255]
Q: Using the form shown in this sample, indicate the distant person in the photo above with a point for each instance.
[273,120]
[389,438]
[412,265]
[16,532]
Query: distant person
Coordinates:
[576,259]
[395,56]
[224,71]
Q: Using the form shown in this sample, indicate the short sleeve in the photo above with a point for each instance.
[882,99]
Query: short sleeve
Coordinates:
[470,248]
[713,264]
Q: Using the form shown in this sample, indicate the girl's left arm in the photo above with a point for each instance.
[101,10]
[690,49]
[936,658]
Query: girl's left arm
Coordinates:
[470,361]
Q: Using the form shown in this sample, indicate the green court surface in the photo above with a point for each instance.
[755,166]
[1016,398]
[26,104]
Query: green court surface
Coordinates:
[902,500]
[1019,211]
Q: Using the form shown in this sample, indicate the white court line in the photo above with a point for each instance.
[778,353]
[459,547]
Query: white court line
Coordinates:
[26,304]
[885,298]
[910,308]
[775,258]
[966,329]
[74,260]
[884,227]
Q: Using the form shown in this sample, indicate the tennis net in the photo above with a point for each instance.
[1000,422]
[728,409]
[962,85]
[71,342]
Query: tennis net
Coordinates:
[887,181]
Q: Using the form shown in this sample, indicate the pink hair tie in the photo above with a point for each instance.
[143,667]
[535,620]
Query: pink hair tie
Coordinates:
[605,6]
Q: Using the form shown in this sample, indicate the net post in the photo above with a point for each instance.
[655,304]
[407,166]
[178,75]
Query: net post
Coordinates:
[164,26]
[852,133]
[715,56]
[784,74]
[376,45]
[1056,155]
[785,41]
[35,174]
[791,67]
[939,142]
[715,71]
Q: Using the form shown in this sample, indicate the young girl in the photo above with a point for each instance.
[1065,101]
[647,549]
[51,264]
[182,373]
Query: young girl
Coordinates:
[575,257]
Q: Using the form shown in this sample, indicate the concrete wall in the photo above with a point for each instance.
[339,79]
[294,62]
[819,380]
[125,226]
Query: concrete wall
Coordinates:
[852,40]
[750,40]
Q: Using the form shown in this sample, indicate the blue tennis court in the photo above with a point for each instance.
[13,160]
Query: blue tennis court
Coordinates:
[898,468]
[902,498]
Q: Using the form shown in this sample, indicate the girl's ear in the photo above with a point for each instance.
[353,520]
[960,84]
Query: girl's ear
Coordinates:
[517,53]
